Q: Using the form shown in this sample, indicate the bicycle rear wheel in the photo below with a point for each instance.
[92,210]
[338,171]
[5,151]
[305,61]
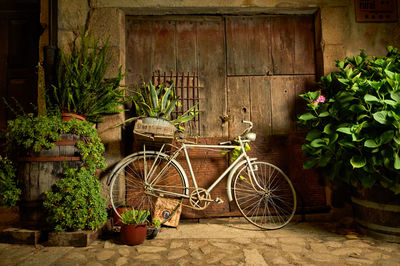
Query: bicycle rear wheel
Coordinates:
[143,178]
[269,200]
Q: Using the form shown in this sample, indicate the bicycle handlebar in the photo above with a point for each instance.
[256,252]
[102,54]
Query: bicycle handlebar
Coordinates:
[247,130]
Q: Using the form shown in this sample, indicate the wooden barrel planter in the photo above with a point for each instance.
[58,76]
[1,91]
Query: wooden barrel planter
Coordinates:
[377,213]
[38,173]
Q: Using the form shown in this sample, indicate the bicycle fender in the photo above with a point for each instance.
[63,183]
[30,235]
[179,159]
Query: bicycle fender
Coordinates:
[230,177]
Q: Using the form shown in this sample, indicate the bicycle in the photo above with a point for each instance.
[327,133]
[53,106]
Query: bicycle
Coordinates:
[263,193]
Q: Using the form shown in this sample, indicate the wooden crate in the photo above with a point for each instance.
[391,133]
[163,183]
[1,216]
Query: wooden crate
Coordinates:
[153,134]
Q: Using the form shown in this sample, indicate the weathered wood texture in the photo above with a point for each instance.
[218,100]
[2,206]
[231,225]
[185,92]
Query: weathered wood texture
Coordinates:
[249,67]
[38,173]
[172,45]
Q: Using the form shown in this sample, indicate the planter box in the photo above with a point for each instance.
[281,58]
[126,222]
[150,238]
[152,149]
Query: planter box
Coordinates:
[153,134]
[72,239]
[20,236]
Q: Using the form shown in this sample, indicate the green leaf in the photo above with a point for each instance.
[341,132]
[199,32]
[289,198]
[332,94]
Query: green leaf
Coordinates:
[324,160]
[358,161]
[396,161]
[313,134]
[367,181]
[358,59]
[345,130]
[307,116]
[323,114]
[395,95]
[397,140]
[375,84]
[387,136]
[316,143]
[381,117]
[368,98]
[390,74]
[328,129]
[357,108]
[310,163]
[371,143]
[390,102]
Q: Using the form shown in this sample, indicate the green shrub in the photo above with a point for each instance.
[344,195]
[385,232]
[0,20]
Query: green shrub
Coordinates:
[354,134]
[9,190]
[75,202]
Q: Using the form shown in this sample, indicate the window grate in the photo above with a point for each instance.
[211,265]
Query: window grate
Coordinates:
[187,89]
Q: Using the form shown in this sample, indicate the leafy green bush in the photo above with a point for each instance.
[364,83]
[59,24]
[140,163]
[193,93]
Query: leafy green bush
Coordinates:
[354,134]
[76,202]
[81,84]
[9,190]
[28,134]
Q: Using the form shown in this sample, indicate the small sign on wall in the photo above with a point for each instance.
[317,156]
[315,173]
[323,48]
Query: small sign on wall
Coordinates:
[376,10]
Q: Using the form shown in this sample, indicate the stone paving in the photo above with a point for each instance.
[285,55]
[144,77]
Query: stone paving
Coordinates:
[213,242]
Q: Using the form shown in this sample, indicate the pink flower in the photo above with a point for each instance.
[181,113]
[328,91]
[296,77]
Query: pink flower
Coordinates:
[321,99]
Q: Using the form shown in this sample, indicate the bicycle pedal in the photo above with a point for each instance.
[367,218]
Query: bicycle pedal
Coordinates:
[219,201]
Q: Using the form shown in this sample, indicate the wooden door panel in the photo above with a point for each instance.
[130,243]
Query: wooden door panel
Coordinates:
[260,102]
[239,106]
[283,37]
[304,54]
[237,45]
[163,53]
[139,46]
[282,104]
[186,46]
[248,45]
[260,61]
[211,52]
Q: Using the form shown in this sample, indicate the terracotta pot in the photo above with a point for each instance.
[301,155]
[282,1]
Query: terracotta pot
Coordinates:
[117,218]
[68,117]
[133,234]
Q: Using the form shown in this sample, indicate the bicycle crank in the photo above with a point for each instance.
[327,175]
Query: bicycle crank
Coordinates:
[200,199]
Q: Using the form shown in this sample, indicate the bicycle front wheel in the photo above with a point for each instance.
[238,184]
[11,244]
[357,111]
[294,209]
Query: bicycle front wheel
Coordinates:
[143,178]
[268,200]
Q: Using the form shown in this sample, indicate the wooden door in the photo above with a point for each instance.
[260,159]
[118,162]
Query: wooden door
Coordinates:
[249,67]
[19,35]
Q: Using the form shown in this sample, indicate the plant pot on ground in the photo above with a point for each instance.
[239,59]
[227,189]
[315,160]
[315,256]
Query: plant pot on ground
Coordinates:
[134,226]
[153,228]
[353,123]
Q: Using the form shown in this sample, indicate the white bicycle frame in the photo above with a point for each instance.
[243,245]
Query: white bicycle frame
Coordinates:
[231,169]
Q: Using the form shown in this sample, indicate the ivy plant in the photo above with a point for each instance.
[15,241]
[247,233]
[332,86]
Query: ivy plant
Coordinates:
[353,122]
[9,190]
[75,202]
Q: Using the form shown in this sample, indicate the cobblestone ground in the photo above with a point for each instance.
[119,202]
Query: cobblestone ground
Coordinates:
[215,243]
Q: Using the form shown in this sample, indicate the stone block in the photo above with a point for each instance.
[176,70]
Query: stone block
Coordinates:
[20,236]
[108,22]
[72,14]
[66,40]
[74,239]
[335,24]
[330,54]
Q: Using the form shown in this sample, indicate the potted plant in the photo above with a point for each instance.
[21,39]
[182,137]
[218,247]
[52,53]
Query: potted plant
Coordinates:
[155,103]
[134,226]
[353,130]
[153,228]
[116,216]
[60,150]
[82,91]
